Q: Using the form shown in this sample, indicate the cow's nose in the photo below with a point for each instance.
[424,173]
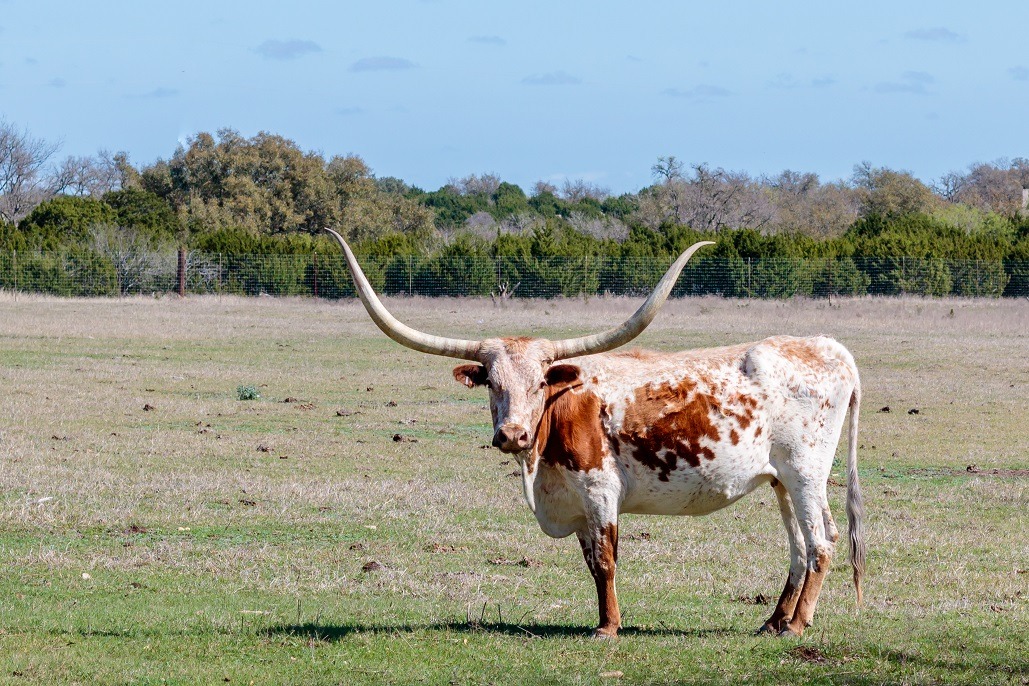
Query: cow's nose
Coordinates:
[511,438]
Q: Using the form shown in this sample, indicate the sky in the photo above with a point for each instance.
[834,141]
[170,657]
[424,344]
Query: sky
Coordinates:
[431,90]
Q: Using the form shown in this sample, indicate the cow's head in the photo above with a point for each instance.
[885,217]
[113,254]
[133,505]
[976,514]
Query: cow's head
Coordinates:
[519,372]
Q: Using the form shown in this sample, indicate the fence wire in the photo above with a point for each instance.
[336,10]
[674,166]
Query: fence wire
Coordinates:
[88,273]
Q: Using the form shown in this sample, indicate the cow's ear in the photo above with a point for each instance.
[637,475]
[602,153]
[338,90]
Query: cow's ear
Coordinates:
[561,375]
[471,375]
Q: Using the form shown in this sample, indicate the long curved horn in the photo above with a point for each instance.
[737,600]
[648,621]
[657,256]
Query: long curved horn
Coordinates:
[634,325]
[392,327]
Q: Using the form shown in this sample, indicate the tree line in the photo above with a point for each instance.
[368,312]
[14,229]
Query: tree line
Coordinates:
[230,195]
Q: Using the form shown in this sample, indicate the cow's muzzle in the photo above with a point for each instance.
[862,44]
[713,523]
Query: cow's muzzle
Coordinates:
[511,438]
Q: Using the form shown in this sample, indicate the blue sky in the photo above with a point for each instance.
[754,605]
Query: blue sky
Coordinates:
[426,90]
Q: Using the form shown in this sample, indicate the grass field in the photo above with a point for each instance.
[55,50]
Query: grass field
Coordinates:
[156,529]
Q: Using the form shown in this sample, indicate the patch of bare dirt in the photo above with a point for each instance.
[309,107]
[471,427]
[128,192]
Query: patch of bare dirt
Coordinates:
[808,654]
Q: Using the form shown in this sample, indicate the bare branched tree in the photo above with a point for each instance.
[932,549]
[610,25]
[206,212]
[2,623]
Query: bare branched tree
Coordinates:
[474,184]
[131,255]
[803,204]
[24,182]
[667,169]
[710,200]
[541,187]
[599,227]
[949,186]
[483,225]
[578,189]
[88,176]
[994,186]
[521,224]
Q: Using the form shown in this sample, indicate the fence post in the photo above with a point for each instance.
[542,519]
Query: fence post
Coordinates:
[182,271]
[585,275]
[314,257]
[829,294]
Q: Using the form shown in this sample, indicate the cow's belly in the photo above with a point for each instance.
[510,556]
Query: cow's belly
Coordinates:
[692,490]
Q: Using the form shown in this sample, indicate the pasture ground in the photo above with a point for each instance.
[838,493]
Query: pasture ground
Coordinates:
[156,529]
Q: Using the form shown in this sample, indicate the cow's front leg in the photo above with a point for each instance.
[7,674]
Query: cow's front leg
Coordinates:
[600,548]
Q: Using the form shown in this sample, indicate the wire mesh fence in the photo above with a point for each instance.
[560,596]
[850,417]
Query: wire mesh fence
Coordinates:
[88,273]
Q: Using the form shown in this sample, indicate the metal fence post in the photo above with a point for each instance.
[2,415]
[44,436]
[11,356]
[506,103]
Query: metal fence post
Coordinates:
[182,272]
[829,294]
[585,275]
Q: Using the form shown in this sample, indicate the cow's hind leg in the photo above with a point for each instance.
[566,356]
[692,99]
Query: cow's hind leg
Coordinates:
[600,549]
[783,611]
[812,510]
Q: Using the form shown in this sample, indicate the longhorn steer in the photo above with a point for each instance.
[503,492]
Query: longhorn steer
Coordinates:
[667,433]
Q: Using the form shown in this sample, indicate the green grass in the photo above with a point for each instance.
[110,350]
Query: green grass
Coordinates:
[209,538]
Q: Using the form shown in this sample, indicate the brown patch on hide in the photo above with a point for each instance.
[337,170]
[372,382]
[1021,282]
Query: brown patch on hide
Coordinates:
[637,354]
[808,597]
[570,432]
[601,555]
[517,344]
[674,419]
[734,436]
[805,352]
[783,611]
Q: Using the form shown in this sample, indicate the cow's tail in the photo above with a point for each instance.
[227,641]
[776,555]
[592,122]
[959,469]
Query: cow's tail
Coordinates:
[855,507]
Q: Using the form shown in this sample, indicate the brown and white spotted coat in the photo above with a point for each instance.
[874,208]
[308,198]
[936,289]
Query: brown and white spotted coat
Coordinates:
[678,434]
[665,433]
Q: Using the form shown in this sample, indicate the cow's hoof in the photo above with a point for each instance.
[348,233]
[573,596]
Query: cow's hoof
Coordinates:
[773,627]
[603,634]
[789,632]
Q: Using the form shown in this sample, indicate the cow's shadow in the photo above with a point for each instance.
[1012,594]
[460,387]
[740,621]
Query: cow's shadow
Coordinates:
[337,632]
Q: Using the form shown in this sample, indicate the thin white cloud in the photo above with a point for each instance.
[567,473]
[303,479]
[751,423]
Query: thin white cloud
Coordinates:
[552,78]
[784,80]
[915,82]
[703,92]
[157,93]
[286,49]
[938,34]
[487,40]
[1019,73]
[382,63]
